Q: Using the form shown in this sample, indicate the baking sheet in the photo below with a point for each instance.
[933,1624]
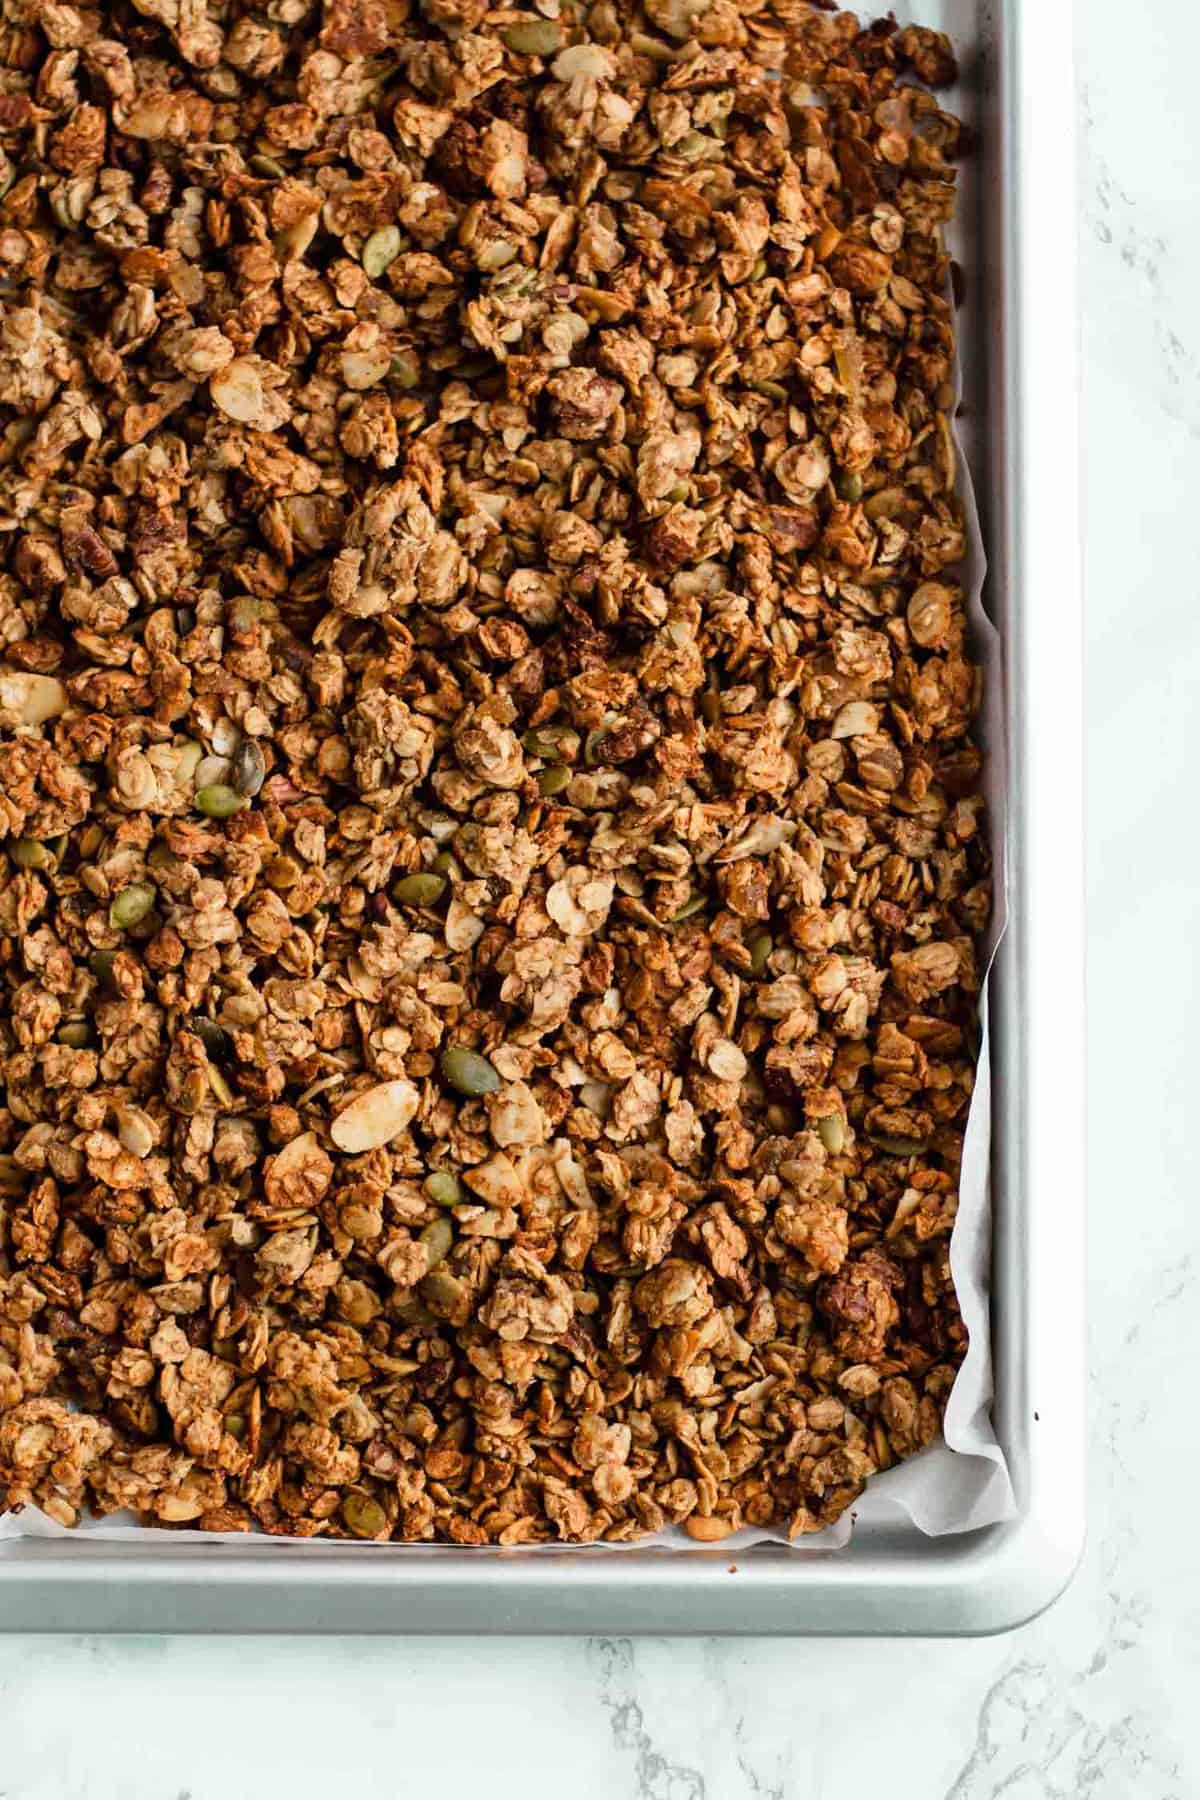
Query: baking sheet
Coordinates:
[962,1482]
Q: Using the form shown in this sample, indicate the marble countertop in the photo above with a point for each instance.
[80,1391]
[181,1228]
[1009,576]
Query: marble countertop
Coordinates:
[1097,1699]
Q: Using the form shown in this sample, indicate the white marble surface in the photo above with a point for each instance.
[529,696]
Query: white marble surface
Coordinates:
[1098,1699]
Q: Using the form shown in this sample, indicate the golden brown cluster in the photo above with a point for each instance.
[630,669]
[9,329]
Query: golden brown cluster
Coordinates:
[490,826]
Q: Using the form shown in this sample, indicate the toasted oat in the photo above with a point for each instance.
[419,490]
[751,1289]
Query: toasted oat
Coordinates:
[494,843]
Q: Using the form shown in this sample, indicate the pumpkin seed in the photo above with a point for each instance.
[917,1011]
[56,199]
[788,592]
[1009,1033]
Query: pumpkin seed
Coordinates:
[76,1033]
[445,1291]
[553,743]
[438,1240]
[444,864]
[101,965]
[28,853]
[363,1516]
[468,1072]
[218,801]
[419,890]
[554,779]
[405,370]
[381,250]
[760,947]
[897,1146]
[222,1092]
[444,1188]
[248,769]
[695,905]
[850,486]
[268,168]
[414,1312]
[160,857]
[132,905]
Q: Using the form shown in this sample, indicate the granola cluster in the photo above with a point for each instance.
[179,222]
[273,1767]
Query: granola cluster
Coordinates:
[490,823]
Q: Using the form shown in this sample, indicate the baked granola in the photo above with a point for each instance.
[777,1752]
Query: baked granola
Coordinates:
[493,848]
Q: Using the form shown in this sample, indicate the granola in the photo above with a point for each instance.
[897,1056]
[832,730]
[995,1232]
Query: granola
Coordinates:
[494,855]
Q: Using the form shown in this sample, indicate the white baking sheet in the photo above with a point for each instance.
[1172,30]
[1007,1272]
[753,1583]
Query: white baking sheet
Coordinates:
[962,1482]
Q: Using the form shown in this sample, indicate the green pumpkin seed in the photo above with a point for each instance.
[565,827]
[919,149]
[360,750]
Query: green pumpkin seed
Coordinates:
[101,965]
[364,1516]
[414,1312]
[554,779]
[438,1239]
[695,905]
[445,1291]
[76,1033]
[832,1133]
[222,1092]
[160,857]
[267,167]
[405,370]
[850,486]
[248,770]
[217,801]
[132,905]
[553,743]
[381,250]
[28,853]
[770,390]
[534,37]
[468,1072]
[444,1188]
[419,890]
[897,1146]
[444,864]
[760,947]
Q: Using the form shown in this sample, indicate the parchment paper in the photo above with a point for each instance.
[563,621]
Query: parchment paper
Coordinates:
[962,1482]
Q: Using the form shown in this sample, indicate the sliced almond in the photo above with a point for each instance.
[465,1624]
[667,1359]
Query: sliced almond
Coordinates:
[375,1117]
[238,390]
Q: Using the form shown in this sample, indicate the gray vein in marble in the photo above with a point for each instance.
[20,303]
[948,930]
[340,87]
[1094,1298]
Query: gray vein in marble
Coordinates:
[1032,1739]
[656,1777]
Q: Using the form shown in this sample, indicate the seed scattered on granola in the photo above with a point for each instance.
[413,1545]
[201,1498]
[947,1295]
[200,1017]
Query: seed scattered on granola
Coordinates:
[468,1073]
[419,890]
[217,800]
[444,1188]
[132,905]
[495,851]
[247,768]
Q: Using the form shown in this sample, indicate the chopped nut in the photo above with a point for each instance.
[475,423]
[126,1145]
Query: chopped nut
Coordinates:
[376,1117]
